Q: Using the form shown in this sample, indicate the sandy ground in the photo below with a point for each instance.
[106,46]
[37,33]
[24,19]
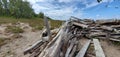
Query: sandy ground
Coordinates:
[110,50]
[16,47]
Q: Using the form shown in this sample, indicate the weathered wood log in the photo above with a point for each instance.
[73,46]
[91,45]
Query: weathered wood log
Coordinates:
[55,43]
[115,35]
[47,27]
[72,18]
[108,22]
[57,47]
[97,34]
[44,32]
[35,53]
[107,28]
[81,25]
[116,26]
[82,52]
[73,51]
[51,43]
[53,50]
[98,49]
[116,40]
[34,46]
[38,50]
[95,30]
[70,47]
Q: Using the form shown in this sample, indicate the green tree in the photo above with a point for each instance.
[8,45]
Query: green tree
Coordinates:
[5,7]
[1,8]
[41,15]
[18,9]
[21,9]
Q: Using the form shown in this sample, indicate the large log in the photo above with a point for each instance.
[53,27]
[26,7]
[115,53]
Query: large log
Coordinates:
[33,47]
[57,47]
[51,43]
[81,25]
[82,52]
[107,28]
[36,45]
[47,27]
[70,47]
[115,35]
[98,49]
[73,51]
[116,40]
[97,34]
[38,50]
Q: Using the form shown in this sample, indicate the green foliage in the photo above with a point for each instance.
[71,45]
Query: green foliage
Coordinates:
[41,15]
[55,23]
[116,43]
[16,8]
[38,27]
[14,29]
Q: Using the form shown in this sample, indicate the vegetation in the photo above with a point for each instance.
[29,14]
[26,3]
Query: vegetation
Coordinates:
[12,11]
[36,23]
[2,41]
[116,43]
[18,9]
[14,29]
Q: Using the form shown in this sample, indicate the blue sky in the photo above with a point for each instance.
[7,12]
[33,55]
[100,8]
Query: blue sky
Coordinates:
[63,9]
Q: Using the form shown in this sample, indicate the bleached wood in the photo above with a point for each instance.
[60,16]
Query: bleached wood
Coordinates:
[73,51]
[98,49]
[81,25]
[34,46]
[51,43]
[114,40]
[57,47]
[70,47]
[107,28]
[82,52]
[47,26]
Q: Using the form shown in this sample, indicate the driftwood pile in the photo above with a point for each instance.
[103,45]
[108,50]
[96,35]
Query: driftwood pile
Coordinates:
[64,42]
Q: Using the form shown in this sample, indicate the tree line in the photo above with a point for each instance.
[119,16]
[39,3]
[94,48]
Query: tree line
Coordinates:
[18,9]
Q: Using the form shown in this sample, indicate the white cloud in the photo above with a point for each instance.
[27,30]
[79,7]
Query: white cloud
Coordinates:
[107,0]
[32,1]
[94,3]
[67,1]
[38,8]
[91,5]
[62,11]
[54,11]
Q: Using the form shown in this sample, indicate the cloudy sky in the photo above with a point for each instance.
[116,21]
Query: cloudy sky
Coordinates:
[63,9]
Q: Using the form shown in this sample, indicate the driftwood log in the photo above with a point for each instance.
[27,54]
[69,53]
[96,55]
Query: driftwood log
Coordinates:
[64,42]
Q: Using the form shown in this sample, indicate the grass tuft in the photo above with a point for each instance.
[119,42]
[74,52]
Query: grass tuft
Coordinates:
[14,29]
[2,41]
[36,23]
